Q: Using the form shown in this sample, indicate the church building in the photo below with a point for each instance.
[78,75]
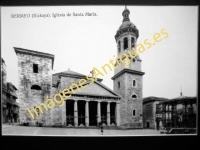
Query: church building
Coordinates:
[88,106]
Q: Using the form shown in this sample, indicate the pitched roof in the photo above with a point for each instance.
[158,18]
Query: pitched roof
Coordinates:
[96,89]
[153,98]
[181,99]
[71,73]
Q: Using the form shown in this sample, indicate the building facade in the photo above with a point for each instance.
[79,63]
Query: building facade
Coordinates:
[12,105]
[4,90]
[35,80]
[10,108]
[127,80]
[152,112]
[87,107]
[179,112]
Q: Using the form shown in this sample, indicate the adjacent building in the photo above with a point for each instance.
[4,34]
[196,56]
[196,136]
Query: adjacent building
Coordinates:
[152,111]
[12,105]
[4,90]
[10,108]
[179,112]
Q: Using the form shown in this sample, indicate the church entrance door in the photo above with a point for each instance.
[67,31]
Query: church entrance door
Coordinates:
[70,112]
[112,113]
[81,113]
[104,113]
[92,113]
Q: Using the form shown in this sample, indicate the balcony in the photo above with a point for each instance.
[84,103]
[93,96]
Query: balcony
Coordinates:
[15,111]
[10,100]
[159,111]
[4,72]
[4,87]
[12,93]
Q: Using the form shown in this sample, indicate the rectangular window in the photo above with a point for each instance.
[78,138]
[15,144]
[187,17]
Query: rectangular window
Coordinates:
[134,83]
[35,68]
[118,85]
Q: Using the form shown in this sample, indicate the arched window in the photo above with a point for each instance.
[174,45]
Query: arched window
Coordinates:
[134,96]
[134,83]
[36,87]
[133,112]
[119,46]
[125,43]
[132,42]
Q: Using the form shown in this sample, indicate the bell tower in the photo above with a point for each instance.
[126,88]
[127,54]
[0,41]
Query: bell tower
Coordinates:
[127,79]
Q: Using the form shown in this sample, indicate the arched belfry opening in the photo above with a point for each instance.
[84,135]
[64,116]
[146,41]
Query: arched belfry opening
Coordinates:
[132,42]
[119,46]
[125,43]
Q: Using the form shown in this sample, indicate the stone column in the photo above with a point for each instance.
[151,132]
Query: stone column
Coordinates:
[118,47]
[122,45]
[118,114]
[64,123]
[108,114]
[129,42]
[86,113]
[75,114]
[98,113]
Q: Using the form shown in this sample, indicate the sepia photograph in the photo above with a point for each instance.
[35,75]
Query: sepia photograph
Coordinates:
[92,70]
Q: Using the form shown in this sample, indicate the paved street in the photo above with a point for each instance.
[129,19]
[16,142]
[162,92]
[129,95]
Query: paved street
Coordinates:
[39,131]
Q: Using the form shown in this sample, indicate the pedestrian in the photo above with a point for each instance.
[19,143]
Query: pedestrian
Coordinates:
[102,130]
[12,121]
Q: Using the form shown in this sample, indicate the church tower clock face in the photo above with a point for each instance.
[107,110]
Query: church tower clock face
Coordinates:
[129,77]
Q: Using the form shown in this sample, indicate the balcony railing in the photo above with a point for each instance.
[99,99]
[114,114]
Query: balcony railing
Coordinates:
[15,111]
[3,70]
[12,93]
[4,87]
[10,100]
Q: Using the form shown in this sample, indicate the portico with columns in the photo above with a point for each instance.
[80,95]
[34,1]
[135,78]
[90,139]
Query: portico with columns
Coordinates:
[91,117]
[88,106]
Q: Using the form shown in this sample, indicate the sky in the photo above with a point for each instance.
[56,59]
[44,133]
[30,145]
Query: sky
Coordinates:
[83,42]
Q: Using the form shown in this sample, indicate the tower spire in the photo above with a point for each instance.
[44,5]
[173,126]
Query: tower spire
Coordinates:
[181,92]
[125,14]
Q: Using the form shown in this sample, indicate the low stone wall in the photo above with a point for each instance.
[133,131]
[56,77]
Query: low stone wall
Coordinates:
[182,131]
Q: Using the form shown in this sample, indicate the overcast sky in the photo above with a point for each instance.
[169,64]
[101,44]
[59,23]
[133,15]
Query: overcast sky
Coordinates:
[83,42]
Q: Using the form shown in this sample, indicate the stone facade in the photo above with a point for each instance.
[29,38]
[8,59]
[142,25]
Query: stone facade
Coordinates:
[149,115]
[34,87]
[95,92]
[36,84]
[150,111]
